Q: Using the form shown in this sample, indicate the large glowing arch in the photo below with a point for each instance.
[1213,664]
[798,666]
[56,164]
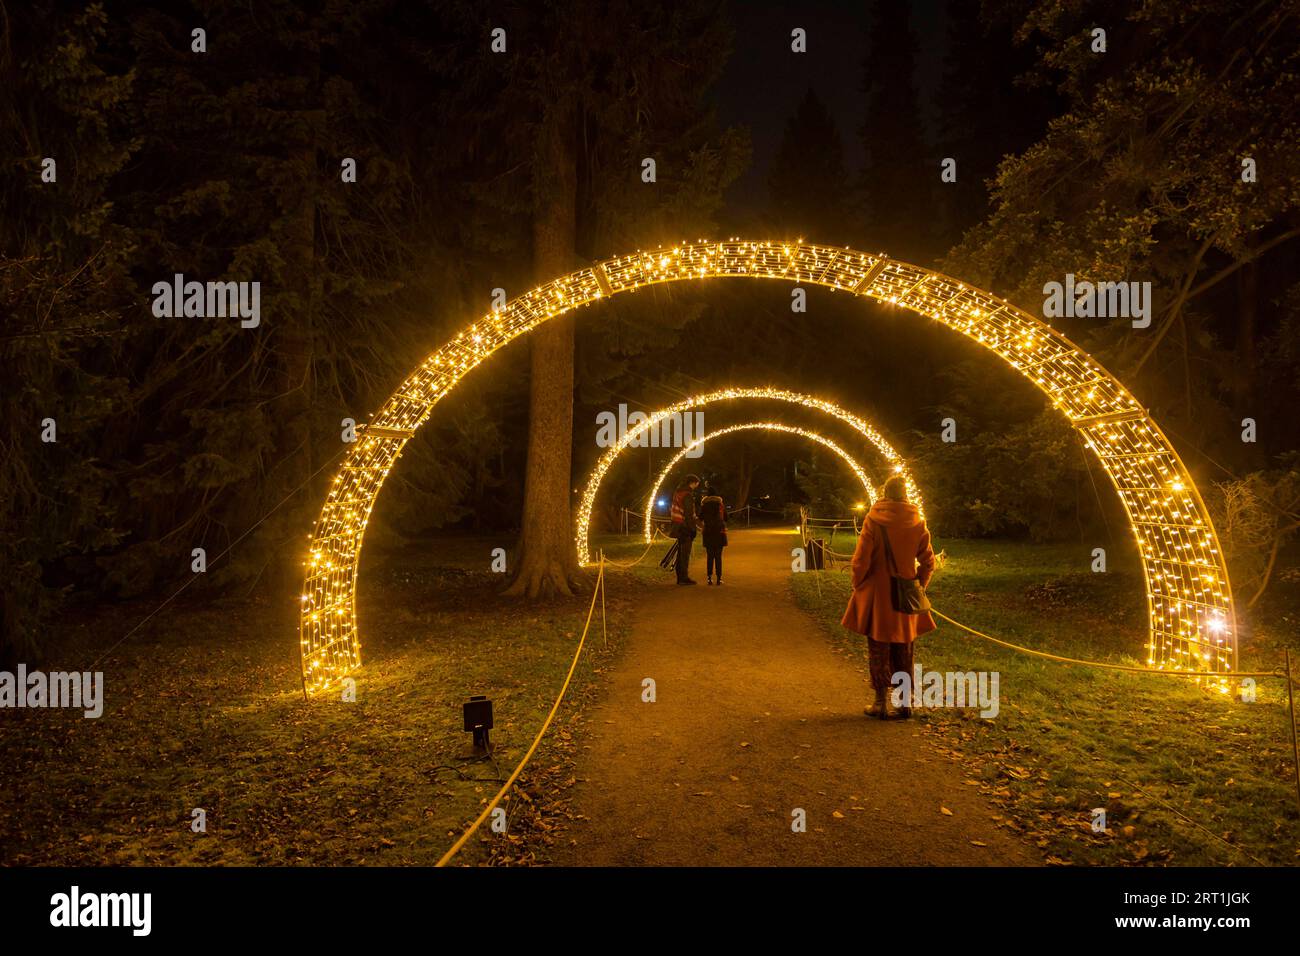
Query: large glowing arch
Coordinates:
[857,469]
[1191,620]
[635,433]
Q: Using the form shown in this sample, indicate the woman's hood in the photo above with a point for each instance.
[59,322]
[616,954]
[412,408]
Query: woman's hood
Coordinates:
[891,513]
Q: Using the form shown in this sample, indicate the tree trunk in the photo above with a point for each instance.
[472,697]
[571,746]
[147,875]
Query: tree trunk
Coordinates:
[546,561]
[1278,538]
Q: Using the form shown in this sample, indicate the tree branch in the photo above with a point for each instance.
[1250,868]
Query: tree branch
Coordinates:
[1176,306]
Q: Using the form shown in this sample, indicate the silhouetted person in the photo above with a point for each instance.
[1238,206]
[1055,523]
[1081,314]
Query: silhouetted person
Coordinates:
[684,525]
[713,520]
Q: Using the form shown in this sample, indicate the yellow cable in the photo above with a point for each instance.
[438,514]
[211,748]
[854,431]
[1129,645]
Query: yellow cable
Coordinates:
[1113,667]
[619,564]
[492,805]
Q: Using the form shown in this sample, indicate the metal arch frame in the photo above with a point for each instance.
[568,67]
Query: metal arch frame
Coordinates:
[1191,621]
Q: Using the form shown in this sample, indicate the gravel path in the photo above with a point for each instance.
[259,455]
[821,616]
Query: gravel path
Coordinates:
[755,718]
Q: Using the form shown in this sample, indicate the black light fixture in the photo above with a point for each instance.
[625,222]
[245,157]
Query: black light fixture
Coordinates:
[478,720]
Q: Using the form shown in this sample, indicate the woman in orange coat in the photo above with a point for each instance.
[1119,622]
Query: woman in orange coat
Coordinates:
[870,611]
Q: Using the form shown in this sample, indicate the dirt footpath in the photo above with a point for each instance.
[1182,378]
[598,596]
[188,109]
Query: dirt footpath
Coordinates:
[756,718]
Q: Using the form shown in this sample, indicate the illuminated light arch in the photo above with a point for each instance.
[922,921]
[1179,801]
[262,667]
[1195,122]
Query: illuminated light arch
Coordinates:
[754,426]
[1191,620]
[634,434]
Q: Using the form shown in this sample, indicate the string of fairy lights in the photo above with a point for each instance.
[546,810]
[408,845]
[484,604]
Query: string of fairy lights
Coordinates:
[1191,618]
[807,433]
[635,435]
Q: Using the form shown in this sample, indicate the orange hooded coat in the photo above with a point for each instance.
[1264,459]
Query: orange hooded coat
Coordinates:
[870,611]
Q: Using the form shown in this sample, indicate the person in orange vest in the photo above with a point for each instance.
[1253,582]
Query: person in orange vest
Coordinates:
[684,525]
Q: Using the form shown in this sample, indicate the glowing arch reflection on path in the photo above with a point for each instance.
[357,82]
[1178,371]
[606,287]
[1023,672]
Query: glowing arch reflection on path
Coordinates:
[1191,622]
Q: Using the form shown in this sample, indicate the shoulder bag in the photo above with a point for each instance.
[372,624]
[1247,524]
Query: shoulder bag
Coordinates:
[906,595]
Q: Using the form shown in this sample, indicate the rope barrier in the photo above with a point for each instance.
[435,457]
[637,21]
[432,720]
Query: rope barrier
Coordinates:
[600,593]
[505,787]
[632,564]
[1282,673]
[1102,664]
[1131,669]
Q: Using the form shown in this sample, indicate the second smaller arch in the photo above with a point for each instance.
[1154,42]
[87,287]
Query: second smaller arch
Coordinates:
[895,462]
[849,460]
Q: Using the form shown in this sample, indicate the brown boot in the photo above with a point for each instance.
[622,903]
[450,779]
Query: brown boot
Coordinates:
[880,708]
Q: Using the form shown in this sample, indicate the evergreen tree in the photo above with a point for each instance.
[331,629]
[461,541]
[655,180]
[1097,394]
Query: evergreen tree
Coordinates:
[985,112]
[1145,177]
[602,106]
[808,188]
[63,298]
[899,179]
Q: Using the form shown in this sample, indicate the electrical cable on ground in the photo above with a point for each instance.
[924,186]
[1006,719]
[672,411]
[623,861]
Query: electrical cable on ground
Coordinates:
[492,804]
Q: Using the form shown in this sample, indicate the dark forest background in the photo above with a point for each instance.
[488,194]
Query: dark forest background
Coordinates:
[174,434]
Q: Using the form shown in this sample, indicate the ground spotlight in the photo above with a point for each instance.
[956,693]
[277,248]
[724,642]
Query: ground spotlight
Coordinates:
[478,720]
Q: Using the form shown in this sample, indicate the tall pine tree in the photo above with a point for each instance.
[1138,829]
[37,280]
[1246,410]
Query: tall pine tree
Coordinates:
[899,178]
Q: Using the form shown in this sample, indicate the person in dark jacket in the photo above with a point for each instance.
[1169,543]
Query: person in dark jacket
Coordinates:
[713,521]
[684,525]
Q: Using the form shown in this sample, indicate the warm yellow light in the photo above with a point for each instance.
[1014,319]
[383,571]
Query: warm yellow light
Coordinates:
[749,426]
[1174,534]
[634,434]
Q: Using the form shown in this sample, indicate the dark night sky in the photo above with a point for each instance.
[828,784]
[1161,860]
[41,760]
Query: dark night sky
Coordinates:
[764,80]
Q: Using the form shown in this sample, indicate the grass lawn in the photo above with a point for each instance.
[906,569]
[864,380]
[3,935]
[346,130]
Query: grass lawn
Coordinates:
[1186,774]
[204,710]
